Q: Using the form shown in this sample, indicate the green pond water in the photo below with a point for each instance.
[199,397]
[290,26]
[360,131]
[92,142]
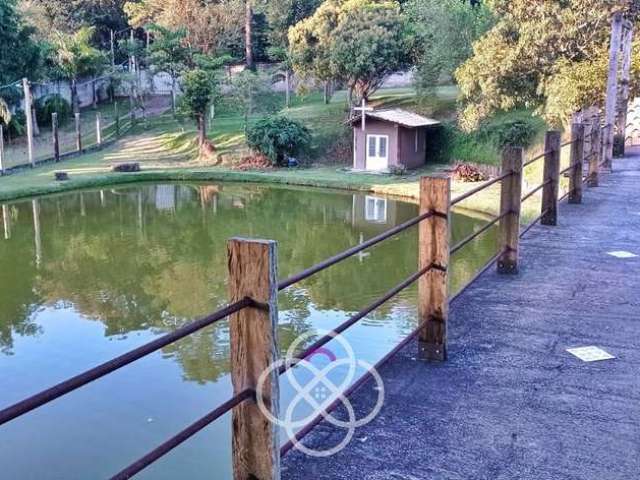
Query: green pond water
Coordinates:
[90,275]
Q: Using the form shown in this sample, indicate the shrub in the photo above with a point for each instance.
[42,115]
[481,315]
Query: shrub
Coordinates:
[18,124]
[447,144]
[398,170]
[518,127]
[440,143]
[55,103]
[278,137]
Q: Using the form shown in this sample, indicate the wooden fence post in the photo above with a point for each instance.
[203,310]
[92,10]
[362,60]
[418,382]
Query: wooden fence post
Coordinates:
[253,332]
[287,82]
[434,235]
[56,139]
[510,201]
[1,151]
[117,115]
[596,152]
[132,91]
[577,158]
[607,145]
[98,130]
[78,133]
[132,112]
[29,117]
[551,178]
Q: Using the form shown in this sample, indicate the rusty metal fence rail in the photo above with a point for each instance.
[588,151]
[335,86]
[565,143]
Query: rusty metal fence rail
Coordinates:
[252,310]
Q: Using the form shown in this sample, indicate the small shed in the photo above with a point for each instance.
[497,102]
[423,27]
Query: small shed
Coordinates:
[390,138]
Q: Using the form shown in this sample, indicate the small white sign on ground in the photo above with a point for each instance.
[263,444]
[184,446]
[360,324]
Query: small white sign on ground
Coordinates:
[590,354]
[622,254]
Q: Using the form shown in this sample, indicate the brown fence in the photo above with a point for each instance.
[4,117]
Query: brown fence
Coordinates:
[97,136]
[253,309]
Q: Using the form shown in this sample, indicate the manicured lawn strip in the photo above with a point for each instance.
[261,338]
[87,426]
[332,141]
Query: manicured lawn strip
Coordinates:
[166,150]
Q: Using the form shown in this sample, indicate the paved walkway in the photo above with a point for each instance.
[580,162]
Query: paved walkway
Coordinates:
[511,403]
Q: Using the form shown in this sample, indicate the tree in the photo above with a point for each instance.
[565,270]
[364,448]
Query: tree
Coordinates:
[21,55]
[532,47]
[198,91]
[169,54]
[68,16]
[213,27]
[360,42]
[576,86]
[283,14]
[75,57]
[248,33]
[246,87]
[448,28]
[281,56]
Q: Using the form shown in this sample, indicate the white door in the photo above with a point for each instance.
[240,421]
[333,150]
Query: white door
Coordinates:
[377,152]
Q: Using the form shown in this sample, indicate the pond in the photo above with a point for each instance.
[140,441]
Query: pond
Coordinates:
[89,275]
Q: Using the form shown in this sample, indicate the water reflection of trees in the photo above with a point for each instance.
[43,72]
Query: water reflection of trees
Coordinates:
[18,300]
[155,258]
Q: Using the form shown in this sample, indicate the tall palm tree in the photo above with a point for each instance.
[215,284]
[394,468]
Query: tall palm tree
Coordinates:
[75,57]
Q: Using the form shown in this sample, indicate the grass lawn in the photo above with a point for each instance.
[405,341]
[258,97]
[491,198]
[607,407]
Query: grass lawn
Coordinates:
[166,150]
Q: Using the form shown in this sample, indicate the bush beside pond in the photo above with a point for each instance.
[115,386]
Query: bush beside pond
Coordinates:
[449,144]
[278,137]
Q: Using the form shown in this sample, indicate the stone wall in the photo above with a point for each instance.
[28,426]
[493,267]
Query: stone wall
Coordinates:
[633,123]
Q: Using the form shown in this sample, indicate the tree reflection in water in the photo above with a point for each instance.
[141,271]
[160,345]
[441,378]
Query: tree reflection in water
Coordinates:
[86,276]
[154,258]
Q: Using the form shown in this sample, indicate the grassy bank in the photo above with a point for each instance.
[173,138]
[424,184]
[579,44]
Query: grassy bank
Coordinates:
[164,146]
[16,150]
[87,173]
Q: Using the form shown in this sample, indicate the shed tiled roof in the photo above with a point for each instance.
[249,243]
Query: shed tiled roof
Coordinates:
[401,117]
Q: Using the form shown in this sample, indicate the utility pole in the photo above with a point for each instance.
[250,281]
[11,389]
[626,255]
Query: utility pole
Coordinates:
[113,49]
[612,88]
[623,107]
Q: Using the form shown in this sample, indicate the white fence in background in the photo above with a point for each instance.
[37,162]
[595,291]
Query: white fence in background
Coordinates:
[160,84]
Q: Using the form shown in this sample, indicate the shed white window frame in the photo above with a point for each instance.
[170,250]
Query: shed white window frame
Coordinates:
[375,209]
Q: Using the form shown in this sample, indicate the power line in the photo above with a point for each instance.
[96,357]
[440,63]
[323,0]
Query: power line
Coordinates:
[106,75]
[10,84]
